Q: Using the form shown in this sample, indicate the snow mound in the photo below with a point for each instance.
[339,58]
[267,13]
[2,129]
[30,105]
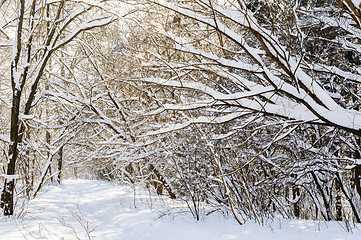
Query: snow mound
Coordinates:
[83,209]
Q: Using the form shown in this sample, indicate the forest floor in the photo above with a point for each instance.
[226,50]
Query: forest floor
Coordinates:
[84,209]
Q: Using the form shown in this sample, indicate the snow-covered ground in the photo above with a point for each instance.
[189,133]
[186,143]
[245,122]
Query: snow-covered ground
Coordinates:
[82,209]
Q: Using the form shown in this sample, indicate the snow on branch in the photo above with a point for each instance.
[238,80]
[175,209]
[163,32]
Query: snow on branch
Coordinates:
[90,24]
[10,177]
[315,103]
[200,120]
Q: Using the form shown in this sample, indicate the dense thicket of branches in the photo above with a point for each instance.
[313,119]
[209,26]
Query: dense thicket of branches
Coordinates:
[251,106]
[270,90]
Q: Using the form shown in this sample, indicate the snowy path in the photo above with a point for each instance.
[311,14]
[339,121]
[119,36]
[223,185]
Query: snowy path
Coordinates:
[83,209]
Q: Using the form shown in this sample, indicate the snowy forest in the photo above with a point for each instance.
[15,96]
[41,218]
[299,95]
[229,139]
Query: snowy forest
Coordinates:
[252,107]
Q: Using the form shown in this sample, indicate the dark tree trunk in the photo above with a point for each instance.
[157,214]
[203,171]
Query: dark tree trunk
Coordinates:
[357,179]
[357,169]
[16,134]
[325,198]
[338,201]
[7,195]
[348,197]
[60,164]
[296,207]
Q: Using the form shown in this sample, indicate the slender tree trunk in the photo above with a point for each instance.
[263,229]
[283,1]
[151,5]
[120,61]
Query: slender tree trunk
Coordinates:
[296,207]
[16,131]
[357,169]
[60,165]
[338,201]
[325,198]
[357,179]
[47,139]
[348,197]
[7,195]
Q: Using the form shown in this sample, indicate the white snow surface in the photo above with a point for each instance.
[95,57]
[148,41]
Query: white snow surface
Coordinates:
[85,209]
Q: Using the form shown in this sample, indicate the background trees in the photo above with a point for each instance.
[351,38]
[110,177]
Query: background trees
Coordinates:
[252,106]
[277,85]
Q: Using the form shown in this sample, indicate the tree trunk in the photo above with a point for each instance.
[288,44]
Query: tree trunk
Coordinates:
[17,84]
[357,169]
[7,195]
[348,197]
[325,197]
[296,207]
[338,201]
[357,179]
[60,164]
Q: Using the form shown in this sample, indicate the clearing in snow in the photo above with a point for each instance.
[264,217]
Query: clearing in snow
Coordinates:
[85,209]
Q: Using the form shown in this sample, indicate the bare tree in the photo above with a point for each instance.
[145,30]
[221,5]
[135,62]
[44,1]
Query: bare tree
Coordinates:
[41,29]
